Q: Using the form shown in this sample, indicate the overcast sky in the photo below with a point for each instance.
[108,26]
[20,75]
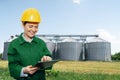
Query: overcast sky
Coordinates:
[75,17]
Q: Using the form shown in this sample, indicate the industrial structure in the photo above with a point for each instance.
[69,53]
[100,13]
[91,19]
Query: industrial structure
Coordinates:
[98,49]
[73,47]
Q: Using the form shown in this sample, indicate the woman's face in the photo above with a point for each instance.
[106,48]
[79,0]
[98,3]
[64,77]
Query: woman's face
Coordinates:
[30,29]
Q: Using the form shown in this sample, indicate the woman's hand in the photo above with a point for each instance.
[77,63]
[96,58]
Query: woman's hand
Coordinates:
[30,69]
[46,58]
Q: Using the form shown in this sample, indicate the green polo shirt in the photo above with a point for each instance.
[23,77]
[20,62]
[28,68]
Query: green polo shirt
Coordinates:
[22,54]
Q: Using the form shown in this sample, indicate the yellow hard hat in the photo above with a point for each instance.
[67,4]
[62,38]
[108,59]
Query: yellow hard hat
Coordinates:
[31,15]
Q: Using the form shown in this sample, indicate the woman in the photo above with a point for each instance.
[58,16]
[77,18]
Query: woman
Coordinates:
[26,50]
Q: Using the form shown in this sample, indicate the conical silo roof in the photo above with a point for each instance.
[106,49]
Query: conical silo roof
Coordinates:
[97,39]
[69,39]
[44,39]
[11,38]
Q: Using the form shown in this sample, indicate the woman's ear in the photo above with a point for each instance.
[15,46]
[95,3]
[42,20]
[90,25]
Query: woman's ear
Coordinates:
[23,25]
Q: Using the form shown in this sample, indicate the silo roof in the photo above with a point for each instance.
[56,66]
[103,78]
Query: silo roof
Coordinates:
[97,39]
[69,39]
[44,39]
[12,38]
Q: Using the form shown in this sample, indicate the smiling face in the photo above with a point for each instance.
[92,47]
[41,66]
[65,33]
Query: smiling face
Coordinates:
[30,29]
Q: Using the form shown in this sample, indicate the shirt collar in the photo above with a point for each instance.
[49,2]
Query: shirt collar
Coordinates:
[22,39]
[26,39]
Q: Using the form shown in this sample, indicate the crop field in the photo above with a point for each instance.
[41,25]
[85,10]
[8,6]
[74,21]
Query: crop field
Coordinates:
[75,70]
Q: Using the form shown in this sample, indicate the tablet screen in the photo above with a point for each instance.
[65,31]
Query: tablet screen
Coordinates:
[45,64]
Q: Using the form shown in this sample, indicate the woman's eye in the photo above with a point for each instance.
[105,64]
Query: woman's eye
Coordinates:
[36,26]
[30,26]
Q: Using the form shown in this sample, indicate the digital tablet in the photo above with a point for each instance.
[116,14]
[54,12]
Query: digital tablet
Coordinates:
[45,64]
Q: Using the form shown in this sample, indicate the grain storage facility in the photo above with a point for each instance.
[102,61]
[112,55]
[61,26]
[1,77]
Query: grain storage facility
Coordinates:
[69,49]
[73,47]
[98,49]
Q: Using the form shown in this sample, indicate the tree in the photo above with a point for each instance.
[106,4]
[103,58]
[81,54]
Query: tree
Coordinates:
[0,55]
[116,56]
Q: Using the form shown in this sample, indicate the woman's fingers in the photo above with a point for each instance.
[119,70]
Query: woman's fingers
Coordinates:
[30,69]
[46,58]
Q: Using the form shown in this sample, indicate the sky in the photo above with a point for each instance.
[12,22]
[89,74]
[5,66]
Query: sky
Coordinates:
[76,17]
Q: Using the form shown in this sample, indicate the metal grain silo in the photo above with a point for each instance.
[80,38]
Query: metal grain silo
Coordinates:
[69,49]
[5,51]
[50,45]
[98,49]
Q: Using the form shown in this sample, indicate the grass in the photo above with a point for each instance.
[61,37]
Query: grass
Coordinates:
[83,76]
[4,72]
[75,70]
[88,67]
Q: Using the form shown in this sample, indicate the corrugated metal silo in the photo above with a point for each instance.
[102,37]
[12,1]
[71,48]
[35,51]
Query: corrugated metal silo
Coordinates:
[50,45]
[6,44]
[69,49]
[4,55]
[98,49]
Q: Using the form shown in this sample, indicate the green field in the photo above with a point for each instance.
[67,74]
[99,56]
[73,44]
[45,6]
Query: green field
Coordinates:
[75,70]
